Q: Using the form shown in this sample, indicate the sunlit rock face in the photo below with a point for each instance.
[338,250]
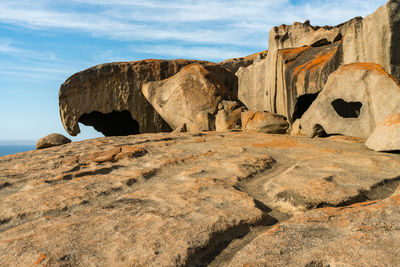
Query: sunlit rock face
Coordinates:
[104,95]
[356,98]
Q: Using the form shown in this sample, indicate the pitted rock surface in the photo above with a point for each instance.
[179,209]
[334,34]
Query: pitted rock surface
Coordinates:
[176,199]
[356,98]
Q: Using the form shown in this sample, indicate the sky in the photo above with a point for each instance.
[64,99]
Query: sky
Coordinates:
[43,42]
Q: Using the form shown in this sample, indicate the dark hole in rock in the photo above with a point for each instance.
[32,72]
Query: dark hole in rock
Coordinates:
[347,109]
[319,131]
[111,124]
[302,104]
[321,42]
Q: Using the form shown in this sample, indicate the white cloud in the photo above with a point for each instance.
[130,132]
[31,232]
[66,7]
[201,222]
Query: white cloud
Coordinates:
[222,22]
[192,52]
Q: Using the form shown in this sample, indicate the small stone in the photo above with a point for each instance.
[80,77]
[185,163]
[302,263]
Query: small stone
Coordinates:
[52,140]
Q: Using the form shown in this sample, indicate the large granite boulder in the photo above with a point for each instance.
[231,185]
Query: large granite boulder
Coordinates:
[109,96]
[180,98]
[265,122]
[355,99]
[52,140]
[228,116]
[251,84]
[386,136]
[301,73]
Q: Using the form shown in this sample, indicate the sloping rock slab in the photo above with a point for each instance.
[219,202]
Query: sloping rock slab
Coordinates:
[150,200]
[356,98]
[366,234]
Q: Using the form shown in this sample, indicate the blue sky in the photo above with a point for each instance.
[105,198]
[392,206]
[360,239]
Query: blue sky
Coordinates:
[43,42]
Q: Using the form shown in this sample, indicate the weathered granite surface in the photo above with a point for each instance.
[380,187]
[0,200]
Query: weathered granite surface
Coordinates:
[356,98]
[185,199]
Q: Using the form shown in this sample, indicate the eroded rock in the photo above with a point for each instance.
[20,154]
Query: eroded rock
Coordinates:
[300,74]
[386,136]
[52,140]
[266,122]
[233,64]
[193,90]
[228,116]
[355,99]
[109,96]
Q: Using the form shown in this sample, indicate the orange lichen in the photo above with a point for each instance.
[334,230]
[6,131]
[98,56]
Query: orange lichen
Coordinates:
[392,120]
[41,258]
[318,61]
[292,53]
[282,143]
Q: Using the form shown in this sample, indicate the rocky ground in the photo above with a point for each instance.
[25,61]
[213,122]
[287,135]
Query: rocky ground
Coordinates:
[201,199]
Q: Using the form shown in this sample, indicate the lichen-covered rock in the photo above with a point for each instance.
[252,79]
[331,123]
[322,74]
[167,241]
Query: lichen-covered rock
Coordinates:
[266,122]
[52,140]
[386,136]
[355,99]
[301,34]
[181,97]
[109,96]
[300,75]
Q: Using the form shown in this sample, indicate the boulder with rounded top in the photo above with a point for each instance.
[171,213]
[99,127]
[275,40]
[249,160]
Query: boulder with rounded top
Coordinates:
[52,140]
[180,98]
[356,98]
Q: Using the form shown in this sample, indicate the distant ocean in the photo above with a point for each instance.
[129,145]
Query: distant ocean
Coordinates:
[12,149]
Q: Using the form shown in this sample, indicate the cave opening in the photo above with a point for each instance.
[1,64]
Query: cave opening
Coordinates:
[116,123]
[347,109]
[302,104]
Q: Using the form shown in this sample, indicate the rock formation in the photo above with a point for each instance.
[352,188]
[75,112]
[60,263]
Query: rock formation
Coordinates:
[196,200]
[181,97]
[218,196]
[386,136]
[228,116]
[300,75]
[265,122]
[251,85]
[109,97]
[234,64]
[355,99]
[52,140]
[373,39]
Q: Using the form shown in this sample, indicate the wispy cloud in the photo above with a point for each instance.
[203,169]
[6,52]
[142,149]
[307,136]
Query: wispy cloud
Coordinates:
[189,52]
[233,22]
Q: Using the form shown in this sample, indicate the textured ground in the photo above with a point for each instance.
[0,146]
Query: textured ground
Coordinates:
[217,199]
